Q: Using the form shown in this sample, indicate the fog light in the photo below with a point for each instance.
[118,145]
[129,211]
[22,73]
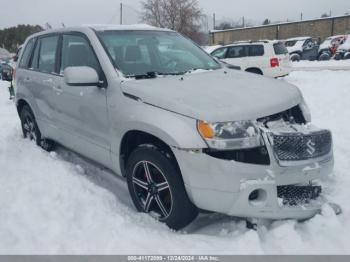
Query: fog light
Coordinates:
[258,197]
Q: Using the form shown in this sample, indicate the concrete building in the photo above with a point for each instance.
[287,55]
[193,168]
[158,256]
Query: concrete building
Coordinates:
[317,28]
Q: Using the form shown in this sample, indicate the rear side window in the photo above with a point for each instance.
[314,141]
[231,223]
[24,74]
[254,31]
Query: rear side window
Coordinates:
[76,51]
[26,54]
[237,52]
[256,50]
[47,54]
[280,49]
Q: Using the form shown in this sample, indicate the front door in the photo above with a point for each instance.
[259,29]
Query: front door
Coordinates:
[81,111]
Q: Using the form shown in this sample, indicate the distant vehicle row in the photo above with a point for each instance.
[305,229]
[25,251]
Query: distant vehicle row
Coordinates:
[306,48]
[268,58]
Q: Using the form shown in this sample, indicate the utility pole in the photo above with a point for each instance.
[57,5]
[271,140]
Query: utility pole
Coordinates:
[301,16]
[121,13]
[330,13]
[243,22]
[214,21]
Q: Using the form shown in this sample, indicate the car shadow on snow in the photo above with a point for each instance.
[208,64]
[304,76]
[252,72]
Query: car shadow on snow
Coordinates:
[206,223]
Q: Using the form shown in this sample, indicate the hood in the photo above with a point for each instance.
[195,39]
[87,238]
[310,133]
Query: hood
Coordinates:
[345,46]
[298,47]
[216,96]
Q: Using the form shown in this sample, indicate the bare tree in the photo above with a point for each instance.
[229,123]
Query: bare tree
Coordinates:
[266,21]
[183,16]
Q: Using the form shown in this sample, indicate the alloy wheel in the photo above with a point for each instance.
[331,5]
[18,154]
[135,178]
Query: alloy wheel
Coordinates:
[152,189]
[29,128]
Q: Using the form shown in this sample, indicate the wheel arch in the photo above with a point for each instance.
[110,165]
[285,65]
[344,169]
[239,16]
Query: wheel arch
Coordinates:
[135,138]
[20,104]
[254,69]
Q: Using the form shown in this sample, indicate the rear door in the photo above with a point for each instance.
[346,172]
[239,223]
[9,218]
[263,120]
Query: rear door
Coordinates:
[257,58]
[237,55]
[40,78]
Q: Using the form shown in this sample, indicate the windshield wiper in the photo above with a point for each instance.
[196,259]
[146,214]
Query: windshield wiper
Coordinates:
[154,74]
[147,75]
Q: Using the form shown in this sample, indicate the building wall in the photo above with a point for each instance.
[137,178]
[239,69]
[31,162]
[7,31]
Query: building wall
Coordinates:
[319,28]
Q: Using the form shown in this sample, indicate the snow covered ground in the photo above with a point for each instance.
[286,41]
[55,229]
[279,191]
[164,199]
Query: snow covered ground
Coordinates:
[58,203]
[321,65]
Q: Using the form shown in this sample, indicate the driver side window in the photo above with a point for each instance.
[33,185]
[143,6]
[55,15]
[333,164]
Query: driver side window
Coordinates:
[76,51]
[309,44]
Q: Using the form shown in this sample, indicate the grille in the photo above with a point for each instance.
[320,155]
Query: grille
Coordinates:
[298,146]
[297,195]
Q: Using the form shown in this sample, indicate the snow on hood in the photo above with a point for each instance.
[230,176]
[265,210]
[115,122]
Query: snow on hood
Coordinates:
[217,96]
[298,47]
[346,45]
[210,49]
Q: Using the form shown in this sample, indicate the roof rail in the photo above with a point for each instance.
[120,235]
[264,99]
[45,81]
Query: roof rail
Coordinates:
[251,41]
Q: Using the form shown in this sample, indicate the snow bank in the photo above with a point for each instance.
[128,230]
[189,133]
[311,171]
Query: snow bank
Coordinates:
[59,203]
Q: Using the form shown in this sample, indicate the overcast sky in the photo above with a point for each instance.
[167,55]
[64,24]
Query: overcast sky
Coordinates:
[77,12]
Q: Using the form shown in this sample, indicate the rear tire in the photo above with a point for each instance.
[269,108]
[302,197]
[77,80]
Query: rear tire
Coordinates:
[156,187]
[347,56]
[295,57]
[31,130]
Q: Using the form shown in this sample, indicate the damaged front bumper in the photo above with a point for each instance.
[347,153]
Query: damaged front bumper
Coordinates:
[278,190]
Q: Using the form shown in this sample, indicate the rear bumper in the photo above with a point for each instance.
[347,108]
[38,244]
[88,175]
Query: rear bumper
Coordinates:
[225,186]
[278,71]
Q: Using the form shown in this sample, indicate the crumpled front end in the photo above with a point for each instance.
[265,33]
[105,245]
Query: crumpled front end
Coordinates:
[282,179]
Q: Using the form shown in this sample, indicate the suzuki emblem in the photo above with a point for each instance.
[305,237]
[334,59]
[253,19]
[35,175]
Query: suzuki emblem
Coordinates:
[311,147]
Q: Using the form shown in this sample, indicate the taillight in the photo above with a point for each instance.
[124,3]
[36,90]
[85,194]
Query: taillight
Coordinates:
[274,62]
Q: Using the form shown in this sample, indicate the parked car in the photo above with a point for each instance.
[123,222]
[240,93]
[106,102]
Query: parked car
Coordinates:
[268,58]
[302,48]
[6,72]
[343,51]
[329,47]
[187,133]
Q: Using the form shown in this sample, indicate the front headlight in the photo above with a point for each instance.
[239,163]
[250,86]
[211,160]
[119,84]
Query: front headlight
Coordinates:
[230,135]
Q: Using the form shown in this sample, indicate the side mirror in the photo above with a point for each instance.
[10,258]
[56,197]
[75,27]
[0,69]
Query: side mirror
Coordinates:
[81,76]
[15,58]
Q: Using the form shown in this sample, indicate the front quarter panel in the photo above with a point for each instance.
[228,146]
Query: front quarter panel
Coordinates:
[128,114]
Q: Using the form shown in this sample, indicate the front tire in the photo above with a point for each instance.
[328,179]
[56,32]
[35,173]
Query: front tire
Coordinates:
[324,57]
[156,187]
[31,130]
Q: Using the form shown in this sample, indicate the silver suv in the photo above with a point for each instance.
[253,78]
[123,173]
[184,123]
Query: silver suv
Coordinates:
[186,132]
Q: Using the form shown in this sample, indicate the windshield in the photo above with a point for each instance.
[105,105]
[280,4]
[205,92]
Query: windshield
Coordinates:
[143,52]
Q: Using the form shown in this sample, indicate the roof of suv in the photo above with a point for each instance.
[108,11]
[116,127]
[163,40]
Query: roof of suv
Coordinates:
[301,38]
[104,27]
[250,43]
